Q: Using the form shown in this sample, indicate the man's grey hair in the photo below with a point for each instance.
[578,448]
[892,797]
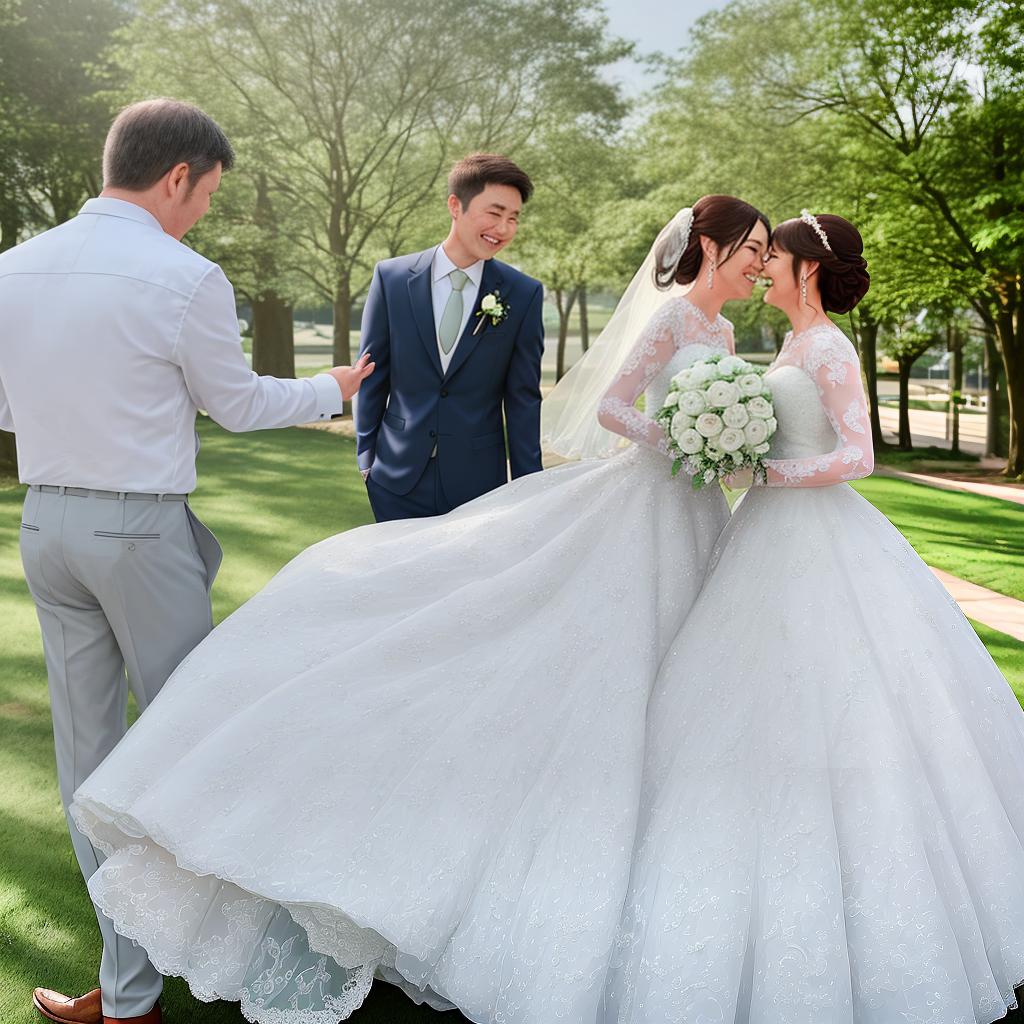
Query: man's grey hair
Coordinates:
[148,138]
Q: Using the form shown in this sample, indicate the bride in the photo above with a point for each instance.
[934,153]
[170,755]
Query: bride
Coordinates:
[833,805]
[418,752]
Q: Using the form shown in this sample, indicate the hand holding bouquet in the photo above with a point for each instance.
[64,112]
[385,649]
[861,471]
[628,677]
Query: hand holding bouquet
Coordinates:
[719,418]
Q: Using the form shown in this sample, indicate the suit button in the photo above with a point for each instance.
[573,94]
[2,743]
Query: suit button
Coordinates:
[444,394]
[433,433]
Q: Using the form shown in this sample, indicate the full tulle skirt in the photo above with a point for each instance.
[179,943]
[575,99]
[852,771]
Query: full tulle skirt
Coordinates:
[417,753]
[833,805]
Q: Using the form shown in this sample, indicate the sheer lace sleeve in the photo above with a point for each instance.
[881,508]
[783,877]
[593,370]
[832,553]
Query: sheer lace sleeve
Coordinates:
[654,348]
[831,362]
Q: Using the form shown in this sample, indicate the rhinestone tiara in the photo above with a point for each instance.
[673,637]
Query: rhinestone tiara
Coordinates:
[811,221]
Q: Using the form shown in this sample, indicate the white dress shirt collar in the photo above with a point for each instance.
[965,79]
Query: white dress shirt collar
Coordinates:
[109,207]
[442,266]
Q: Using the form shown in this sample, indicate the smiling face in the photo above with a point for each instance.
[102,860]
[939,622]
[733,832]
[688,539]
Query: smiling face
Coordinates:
[485,226]
[784,291]
[736,276]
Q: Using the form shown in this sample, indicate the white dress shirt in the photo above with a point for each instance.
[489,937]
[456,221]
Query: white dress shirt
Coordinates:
[441,287]
[112,335]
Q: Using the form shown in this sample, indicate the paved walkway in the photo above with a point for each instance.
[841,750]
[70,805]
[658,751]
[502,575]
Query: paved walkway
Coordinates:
[985,606]
[1004,492]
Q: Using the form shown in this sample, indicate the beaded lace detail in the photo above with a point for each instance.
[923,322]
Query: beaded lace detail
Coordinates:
[676,335]
[826,355]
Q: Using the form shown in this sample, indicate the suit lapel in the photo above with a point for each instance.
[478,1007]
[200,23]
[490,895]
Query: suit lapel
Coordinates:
[490,281]
[423,306]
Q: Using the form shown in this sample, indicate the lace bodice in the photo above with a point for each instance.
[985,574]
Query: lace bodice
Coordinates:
[824,434]
[675,337]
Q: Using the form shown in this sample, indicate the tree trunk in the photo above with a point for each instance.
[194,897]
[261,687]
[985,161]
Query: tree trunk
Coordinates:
[273,336]
[8,453]
[564,301]
[995,433]
[956,383]
[869,364]
[906,442]
[10,228]
[584,319]
[342,353]
[1011,348]
[1015,397]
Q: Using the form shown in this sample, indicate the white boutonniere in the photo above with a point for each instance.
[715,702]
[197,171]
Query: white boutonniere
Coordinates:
[492,307]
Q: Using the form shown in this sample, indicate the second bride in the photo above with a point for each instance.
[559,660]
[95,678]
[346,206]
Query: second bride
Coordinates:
[418,752]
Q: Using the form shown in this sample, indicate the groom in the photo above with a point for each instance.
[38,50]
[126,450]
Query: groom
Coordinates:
[457,339]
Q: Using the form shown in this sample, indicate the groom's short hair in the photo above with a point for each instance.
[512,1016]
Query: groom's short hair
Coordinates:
[473,173]
[148,138]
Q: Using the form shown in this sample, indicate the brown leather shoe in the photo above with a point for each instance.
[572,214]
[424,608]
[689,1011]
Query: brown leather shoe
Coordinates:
[53,1006]
[153,1017]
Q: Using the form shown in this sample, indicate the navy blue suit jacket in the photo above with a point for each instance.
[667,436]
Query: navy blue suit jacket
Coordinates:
[408,405]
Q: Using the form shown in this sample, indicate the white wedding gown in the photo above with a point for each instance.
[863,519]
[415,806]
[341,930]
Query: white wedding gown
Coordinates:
[833,804]
[418,751]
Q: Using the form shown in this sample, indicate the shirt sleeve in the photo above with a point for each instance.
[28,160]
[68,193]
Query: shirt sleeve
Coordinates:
[832,363]
[617,410]
[209,350]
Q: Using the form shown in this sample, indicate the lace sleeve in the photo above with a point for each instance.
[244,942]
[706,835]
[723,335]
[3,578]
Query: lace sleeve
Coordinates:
[832,363]
[617,410]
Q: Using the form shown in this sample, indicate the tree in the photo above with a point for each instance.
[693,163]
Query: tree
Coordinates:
[906,343]
[359,108]
[901,78]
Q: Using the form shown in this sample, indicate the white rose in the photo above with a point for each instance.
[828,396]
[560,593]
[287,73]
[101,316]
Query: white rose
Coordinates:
[488,302]
[773,425]
[671,399]
[685,381]
[722,393]
[709,476]
[680,422]
[731,364]
[709,424]
[692,403]
[750,384]
[762,449]
[730,440]
[756,432]
[760,408]
[703,372]
[736,416]
[690,441]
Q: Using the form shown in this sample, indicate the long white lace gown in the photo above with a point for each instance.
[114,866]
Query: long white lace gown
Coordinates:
[417,752]
[834,802]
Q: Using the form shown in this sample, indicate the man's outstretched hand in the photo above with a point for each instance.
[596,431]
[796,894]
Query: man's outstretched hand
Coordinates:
[350,377]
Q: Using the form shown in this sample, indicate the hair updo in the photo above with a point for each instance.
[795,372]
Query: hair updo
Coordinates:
[843,277]
[726,220]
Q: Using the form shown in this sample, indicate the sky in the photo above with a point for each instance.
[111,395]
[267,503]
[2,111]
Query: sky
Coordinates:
[653,25]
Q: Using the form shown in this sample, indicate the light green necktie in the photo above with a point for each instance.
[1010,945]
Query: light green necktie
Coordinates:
[451,318]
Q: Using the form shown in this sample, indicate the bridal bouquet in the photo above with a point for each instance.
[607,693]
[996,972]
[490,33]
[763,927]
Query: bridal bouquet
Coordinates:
[719,418]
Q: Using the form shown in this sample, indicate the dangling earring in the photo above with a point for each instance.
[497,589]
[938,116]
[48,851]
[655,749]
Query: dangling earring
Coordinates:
[711,275]
[803,289]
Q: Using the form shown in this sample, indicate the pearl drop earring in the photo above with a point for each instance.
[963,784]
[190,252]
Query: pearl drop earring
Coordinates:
[711,275]
[803,288]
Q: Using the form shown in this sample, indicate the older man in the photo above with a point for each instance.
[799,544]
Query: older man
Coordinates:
[112,334]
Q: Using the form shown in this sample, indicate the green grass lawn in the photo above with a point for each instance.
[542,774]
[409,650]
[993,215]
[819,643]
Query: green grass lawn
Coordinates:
[976,538]
[267,496]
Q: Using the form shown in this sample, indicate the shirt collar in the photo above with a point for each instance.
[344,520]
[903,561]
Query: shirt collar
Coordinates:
[109,207]
[442,266]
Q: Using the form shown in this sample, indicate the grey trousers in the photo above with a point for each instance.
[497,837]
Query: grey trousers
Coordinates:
[122,590]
